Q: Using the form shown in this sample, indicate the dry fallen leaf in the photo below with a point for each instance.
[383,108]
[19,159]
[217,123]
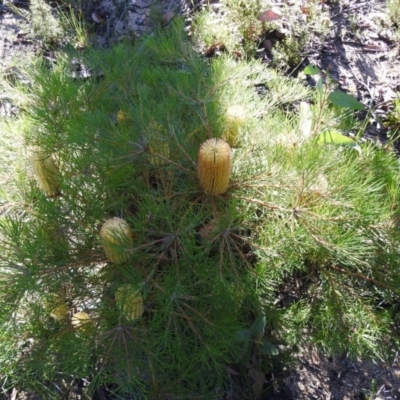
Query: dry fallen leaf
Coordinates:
[268,15]
[232,371]
[96,18]
[305,120]
[167,18]
[258,378]
[14,394]
[268,44]
[305,10]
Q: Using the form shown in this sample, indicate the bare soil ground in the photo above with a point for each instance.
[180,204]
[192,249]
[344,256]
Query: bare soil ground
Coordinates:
[361,54]
[318,376]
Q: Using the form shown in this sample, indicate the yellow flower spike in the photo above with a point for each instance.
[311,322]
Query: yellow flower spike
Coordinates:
[46,171]
[214,166]
[116,236]
[129,302]
[235,118]
[80,320]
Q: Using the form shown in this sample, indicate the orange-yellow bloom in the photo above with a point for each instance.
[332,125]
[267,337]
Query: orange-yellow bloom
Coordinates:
[214,166]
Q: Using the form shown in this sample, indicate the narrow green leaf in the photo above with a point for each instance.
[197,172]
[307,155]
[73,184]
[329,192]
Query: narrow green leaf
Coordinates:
[342,99]
[268,348]
[332,137]
[311,70]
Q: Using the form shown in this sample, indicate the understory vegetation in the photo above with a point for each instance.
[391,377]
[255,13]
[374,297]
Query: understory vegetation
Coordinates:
[190,290]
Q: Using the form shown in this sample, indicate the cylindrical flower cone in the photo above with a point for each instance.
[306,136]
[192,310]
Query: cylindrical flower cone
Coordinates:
[235,118]
[214,166]
[46,171]
[81,320]
[116,236]
[129,301]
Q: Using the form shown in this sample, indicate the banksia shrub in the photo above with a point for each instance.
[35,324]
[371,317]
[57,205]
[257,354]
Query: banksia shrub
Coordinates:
[116,236]
[214,166]
[130,302]
[46,172]
[302,250]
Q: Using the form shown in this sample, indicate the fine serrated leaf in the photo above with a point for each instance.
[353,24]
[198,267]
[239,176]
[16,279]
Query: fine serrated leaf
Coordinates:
[244,335]
[342,99]
[332,137]
[268,348]
[258,326]
[320,86]
[311,70]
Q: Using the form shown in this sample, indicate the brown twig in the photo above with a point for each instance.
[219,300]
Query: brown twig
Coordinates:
[359,275]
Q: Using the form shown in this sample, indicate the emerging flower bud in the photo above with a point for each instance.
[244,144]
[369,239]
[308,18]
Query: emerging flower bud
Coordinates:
[206,231]
[214,166]
[59,313]
[159,150]
[129,302]
[122,116]
[116,236]
[46,171]
[158,145]
[80,320]
[235,118]
[57,306]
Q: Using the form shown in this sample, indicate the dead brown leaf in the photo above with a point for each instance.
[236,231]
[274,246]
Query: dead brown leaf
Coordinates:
[258,378]
[268,15]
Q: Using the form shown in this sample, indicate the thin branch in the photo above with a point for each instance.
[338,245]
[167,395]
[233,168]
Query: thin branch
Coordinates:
[264,204]
[359,275]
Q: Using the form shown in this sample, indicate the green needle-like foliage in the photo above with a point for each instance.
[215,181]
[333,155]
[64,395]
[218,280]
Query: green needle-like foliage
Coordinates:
[302,248]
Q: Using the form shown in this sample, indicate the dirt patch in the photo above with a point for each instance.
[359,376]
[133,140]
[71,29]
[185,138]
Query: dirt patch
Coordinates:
[318,376]
[13,42]
[14,47]
[362,54]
